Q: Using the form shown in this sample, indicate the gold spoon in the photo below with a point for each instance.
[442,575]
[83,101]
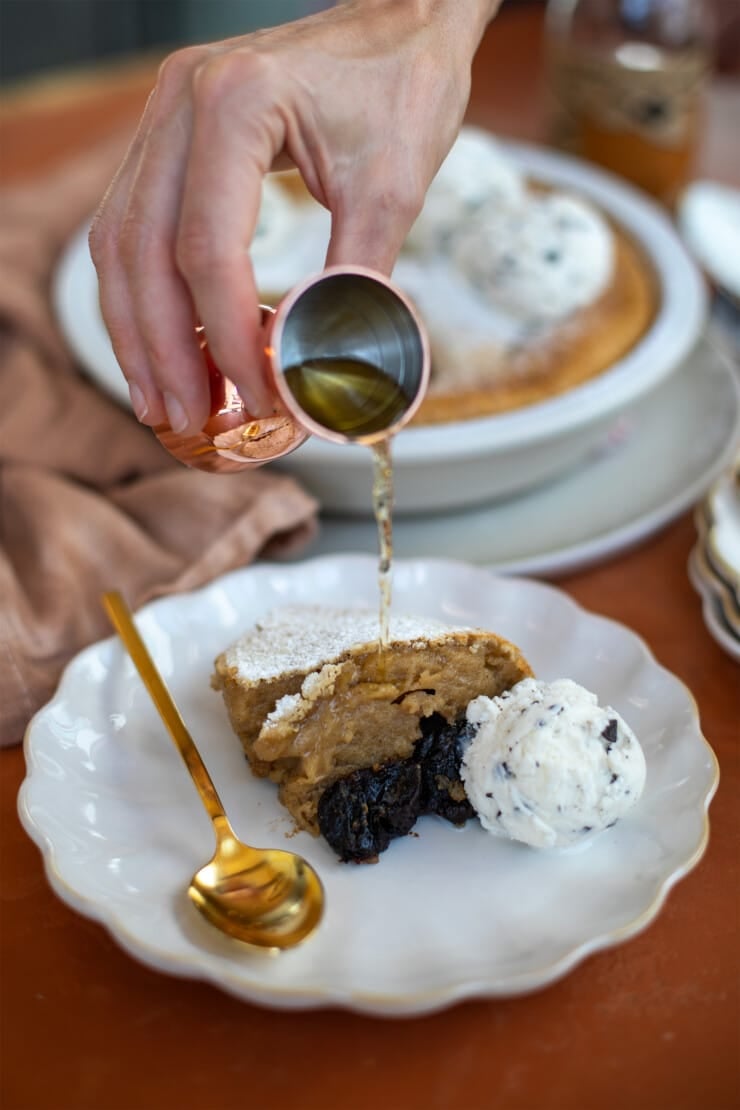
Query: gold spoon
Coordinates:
[266,897]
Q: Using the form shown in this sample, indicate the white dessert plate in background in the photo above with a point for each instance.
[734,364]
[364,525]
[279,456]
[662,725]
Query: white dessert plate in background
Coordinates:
[713,605]
[727,604]
[709,219]
[722,508]
[452,465]
[714,562]
[448,913]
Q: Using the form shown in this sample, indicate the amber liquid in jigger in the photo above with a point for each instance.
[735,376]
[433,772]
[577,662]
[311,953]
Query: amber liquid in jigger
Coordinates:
[347,395]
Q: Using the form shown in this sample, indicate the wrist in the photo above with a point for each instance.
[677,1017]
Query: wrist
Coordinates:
[466,19]
[472,14]
[458,24]
[473,11]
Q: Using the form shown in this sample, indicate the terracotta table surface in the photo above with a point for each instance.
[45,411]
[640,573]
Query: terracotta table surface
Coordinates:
[650,1023]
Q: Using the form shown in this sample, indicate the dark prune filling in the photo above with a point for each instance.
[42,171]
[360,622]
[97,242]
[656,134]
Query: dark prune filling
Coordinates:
[361,813]
[439,754]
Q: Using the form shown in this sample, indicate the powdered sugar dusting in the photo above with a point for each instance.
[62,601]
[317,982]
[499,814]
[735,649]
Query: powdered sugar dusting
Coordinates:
[286,707]
[305,637]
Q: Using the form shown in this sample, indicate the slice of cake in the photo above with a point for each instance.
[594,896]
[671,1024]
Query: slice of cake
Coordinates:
[315,701]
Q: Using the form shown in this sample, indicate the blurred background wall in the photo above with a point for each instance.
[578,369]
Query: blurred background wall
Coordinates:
[44,34]
[38,35]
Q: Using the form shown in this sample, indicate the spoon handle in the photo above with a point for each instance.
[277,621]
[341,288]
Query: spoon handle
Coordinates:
[121,619]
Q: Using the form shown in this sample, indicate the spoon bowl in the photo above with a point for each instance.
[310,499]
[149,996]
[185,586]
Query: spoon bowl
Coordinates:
[261,896]
[269,897]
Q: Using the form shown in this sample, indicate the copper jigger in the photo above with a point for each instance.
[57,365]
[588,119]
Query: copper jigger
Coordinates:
[339,318]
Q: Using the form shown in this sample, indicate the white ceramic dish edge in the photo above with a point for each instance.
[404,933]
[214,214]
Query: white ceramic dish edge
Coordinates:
[705,396]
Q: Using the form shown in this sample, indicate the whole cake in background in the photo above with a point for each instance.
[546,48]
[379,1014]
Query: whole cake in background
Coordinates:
[525,290]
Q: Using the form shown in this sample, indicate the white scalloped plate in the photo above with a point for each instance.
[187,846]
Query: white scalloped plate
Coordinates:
[447,914]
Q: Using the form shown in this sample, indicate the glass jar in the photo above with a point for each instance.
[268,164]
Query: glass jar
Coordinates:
[627,80]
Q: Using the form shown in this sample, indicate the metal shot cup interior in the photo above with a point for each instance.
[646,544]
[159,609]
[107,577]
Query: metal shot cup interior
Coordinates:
[343,313]
[356,314]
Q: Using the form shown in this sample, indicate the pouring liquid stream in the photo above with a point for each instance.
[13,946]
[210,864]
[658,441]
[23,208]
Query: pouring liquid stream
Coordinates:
[382,507]
[357,399]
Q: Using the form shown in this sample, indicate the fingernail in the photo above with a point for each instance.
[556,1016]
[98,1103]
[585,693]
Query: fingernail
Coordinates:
[176,415]
[138,401]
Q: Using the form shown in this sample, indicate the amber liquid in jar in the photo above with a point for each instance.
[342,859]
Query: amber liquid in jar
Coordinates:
[626,83]
[641,121]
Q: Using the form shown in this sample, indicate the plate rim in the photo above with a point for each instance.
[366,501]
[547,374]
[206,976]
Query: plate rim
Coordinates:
[716,513]
[557,559]
[401,1003]
[712,609]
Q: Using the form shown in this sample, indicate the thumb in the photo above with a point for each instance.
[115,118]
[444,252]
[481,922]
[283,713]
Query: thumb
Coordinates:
[371,230]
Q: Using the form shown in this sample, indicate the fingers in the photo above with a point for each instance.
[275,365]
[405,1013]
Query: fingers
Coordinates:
[163,310]
[148,303]
[220,207]
[171,242]
[115,297]
[146,307]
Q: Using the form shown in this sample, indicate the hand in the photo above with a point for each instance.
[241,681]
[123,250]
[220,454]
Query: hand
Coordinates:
[364,99]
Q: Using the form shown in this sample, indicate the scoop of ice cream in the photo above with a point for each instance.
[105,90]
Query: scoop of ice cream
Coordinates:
[548,766]
[544,258]
[475,172]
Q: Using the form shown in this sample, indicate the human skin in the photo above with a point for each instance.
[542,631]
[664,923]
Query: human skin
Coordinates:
[364,99]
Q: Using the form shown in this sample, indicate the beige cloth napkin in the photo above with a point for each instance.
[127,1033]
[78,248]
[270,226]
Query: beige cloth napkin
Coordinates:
[88,499]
